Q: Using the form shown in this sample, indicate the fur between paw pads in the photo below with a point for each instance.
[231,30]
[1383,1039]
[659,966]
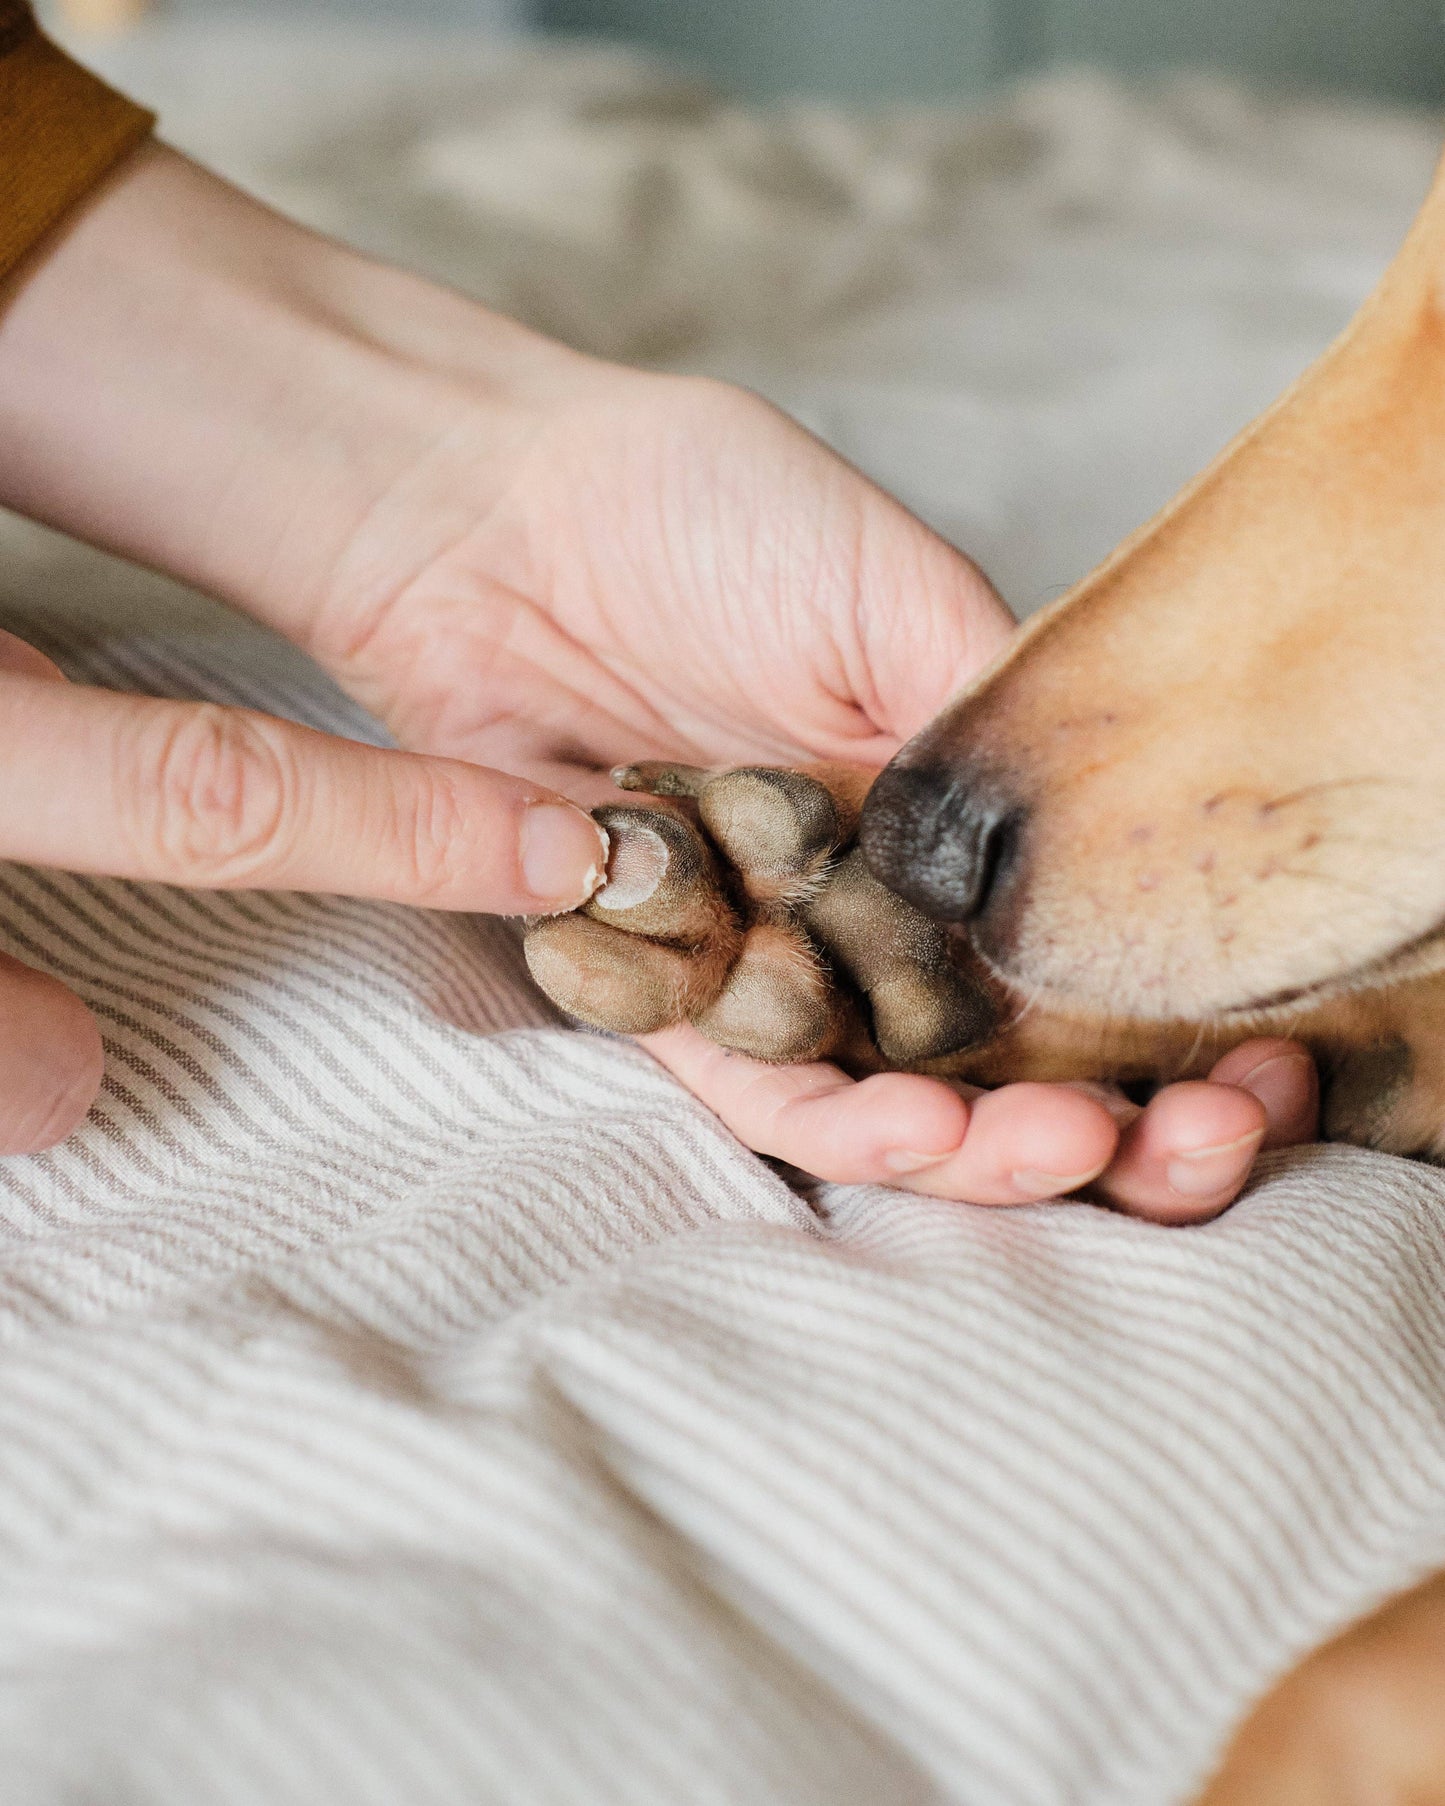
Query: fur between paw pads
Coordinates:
[740,904]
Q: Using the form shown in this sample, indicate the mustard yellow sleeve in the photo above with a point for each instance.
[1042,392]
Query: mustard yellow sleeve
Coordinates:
[61,129]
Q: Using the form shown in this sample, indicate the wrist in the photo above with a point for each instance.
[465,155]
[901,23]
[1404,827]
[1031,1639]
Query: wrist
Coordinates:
[190,380]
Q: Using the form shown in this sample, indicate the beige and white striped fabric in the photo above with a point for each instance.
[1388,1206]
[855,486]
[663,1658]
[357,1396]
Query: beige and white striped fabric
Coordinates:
[407,1401]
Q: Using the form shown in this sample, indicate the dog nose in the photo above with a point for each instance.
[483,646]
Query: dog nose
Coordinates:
[939,838]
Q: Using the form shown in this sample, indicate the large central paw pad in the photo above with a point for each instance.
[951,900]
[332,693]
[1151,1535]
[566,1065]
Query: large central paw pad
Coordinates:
[740,904]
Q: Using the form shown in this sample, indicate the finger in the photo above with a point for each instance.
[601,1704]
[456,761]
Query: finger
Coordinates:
[1025,1144]
[25,660]
[814,1116]
[218,798]
[50,1059]
[1014,1146]
[1286,1081]
[1187,1153]
[928,636]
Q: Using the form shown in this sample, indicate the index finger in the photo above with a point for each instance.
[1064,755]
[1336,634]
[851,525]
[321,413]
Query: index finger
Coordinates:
[220,798]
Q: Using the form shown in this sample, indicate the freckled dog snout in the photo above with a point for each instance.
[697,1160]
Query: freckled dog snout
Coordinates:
[940,840]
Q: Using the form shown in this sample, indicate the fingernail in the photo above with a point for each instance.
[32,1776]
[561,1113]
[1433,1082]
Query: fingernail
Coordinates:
[563,854]
[904,1160]
[1276,1083]
[1203,1171]
[1051,1185]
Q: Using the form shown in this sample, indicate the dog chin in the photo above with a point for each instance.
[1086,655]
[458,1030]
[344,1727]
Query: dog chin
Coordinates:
[1415,959]
[1274,1010]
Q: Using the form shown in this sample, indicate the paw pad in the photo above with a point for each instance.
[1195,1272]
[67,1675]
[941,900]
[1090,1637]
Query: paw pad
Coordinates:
[740,904]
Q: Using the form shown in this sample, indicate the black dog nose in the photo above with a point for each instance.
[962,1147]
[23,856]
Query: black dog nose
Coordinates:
[939,838]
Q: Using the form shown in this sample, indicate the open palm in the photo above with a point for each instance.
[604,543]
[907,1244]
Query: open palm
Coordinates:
[673,569]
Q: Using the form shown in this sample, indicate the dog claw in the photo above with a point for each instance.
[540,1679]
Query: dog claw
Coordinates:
[662,878]
[658,777]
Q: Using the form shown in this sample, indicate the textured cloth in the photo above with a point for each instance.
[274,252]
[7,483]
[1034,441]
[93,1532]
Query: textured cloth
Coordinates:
[61,130]
[405,1399]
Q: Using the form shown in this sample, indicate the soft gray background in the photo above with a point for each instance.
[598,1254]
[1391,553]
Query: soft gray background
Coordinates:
[858,47]
[933,47]
[1032,315]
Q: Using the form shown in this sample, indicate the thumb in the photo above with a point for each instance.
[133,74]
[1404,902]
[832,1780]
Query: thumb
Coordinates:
[930,621]
[50,1059]
[218,798]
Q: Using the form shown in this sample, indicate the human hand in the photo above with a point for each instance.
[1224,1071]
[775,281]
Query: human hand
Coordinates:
[212,797]
[740,907]
[523,559]
[674,570]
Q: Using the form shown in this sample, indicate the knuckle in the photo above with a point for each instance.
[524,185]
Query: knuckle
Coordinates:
[725,409]
[213,795]
[431,834]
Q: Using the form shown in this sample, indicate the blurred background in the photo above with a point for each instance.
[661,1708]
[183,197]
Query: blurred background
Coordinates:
[867,49]
[1028,262]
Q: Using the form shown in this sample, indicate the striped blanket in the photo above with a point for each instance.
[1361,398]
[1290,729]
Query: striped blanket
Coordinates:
[405,1399]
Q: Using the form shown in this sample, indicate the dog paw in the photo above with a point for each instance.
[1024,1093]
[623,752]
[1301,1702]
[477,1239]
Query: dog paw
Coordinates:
[738,902]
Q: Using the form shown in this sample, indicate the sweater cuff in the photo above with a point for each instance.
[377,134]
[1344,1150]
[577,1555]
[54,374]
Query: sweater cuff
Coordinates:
[61,130]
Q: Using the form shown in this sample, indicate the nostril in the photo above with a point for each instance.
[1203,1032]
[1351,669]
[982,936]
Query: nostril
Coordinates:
[997,839]
[944,843]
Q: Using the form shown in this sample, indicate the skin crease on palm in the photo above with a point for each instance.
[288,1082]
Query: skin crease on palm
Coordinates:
[522,560]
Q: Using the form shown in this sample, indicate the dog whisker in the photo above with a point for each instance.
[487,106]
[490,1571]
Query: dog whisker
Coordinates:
[1305,792]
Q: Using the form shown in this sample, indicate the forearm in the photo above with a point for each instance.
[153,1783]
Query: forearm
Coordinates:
[197,383]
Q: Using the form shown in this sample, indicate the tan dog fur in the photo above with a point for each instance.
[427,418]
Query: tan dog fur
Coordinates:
[1361,1723]
[1228,743]
[1231,750]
